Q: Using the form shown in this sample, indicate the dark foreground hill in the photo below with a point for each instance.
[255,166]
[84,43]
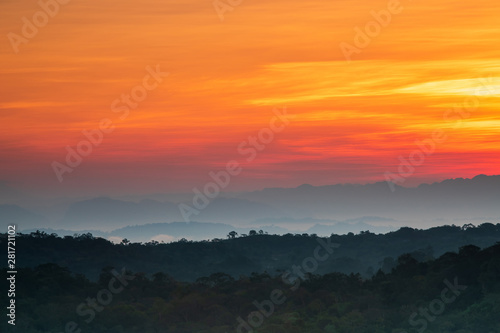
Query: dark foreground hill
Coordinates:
[456,293]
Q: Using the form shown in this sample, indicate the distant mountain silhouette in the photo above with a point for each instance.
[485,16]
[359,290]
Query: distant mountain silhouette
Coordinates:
[452,201]
[111,213]
[237,210]
[449,199]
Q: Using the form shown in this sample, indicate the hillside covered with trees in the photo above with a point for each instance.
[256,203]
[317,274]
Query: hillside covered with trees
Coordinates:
[457,292]
[364,253]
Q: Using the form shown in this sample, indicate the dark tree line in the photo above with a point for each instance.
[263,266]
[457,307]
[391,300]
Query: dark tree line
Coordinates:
[49,295]
[364,253]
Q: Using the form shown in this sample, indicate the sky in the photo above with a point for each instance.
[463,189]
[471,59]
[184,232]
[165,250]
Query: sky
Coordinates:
[357,100]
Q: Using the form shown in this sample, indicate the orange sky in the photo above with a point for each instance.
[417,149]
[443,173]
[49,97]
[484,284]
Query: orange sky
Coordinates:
[351,119]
